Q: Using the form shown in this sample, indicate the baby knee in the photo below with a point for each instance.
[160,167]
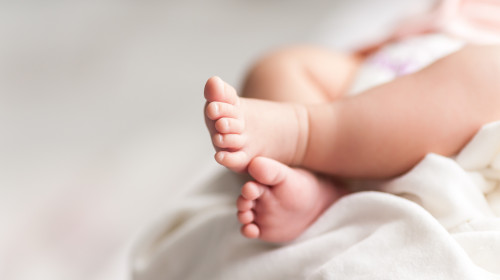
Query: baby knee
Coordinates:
[274,66]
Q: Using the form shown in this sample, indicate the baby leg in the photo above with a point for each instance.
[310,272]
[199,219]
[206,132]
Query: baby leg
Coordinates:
[383,132]
[388,129]
[302,74]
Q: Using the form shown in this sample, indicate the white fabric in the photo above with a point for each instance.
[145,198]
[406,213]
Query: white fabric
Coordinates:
[435,222]
[403,57]
[438,221]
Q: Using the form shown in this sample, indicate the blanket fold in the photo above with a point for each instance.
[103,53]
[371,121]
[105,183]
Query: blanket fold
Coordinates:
[438,221]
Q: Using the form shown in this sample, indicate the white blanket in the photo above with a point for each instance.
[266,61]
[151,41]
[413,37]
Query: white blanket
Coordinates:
[438,221]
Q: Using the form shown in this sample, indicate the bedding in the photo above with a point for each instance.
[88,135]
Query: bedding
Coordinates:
[440,220]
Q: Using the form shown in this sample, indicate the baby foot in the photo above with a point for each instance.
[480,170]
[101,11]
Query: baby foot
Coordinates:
[243,128]
[282,201]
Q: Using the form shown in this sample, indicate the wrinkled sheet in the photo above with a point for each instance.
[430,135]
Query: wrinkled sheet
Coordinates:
[438,221]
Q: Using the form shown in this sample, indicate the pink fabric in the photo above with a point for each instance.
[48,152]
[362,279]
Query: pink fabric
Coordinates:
[476,21]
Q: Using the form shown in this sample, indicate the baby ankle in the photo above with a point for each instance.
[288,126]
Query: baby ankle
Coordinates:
[302,141]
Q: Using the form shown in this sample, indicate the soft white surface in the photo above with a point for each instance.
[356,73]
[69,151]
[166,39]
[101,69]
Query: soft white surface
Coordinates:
[440,220]
[100,112]
[435,222]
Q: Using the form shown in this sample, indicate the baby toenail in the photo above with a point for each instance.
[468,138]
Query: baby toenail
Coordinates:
[216,109]
[219,138]
[220,84]
[220,156]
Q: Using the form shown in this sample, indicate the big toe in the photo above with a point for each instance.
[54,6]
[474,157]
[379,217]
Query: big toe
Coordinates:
[218,90]
[267,171]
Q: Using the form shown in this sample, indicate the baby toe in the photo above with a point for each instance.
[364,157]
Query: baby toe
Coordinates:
[243,204]
[246,217]
[250,231]
[268,171]
[218,90]
[229,141]
[217,110]
[214,89]
[229,125]
[230,95]
[252,190]
[236,161]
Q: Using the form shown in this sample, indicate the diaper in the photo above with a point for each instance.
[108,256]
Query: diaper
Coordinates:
[403,57]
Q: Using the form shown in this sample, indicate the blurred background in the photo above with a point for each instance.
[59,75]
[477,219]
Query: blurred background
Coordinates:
[101,123]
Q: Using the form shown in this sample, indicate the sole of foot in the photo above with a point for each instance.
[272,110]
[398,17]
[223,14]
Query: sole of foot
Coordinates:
[282,202]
